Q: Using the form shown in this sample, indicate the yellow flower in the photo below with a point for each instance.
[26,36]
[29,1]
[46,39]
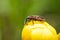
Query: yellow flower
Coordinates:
[38,30]
[59,36]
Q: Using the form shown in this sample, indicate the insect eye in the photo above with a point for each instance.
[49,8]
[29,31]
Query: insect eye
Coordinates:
[27,19]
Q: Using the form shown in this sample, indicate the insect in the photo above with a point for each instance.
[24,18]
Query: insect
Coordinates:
[34,17]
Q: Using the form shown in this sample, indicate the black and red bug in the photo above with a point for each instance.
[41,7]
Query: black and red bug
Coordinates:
[34,17]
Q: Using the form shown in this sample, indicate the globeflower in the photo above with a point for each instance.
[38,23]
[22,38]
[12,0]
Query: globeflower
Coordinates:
[36,28]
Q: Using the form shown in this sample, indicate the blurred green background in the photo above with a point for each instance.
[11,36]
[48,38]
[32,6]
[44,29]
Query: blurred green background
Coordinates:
[13,13]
